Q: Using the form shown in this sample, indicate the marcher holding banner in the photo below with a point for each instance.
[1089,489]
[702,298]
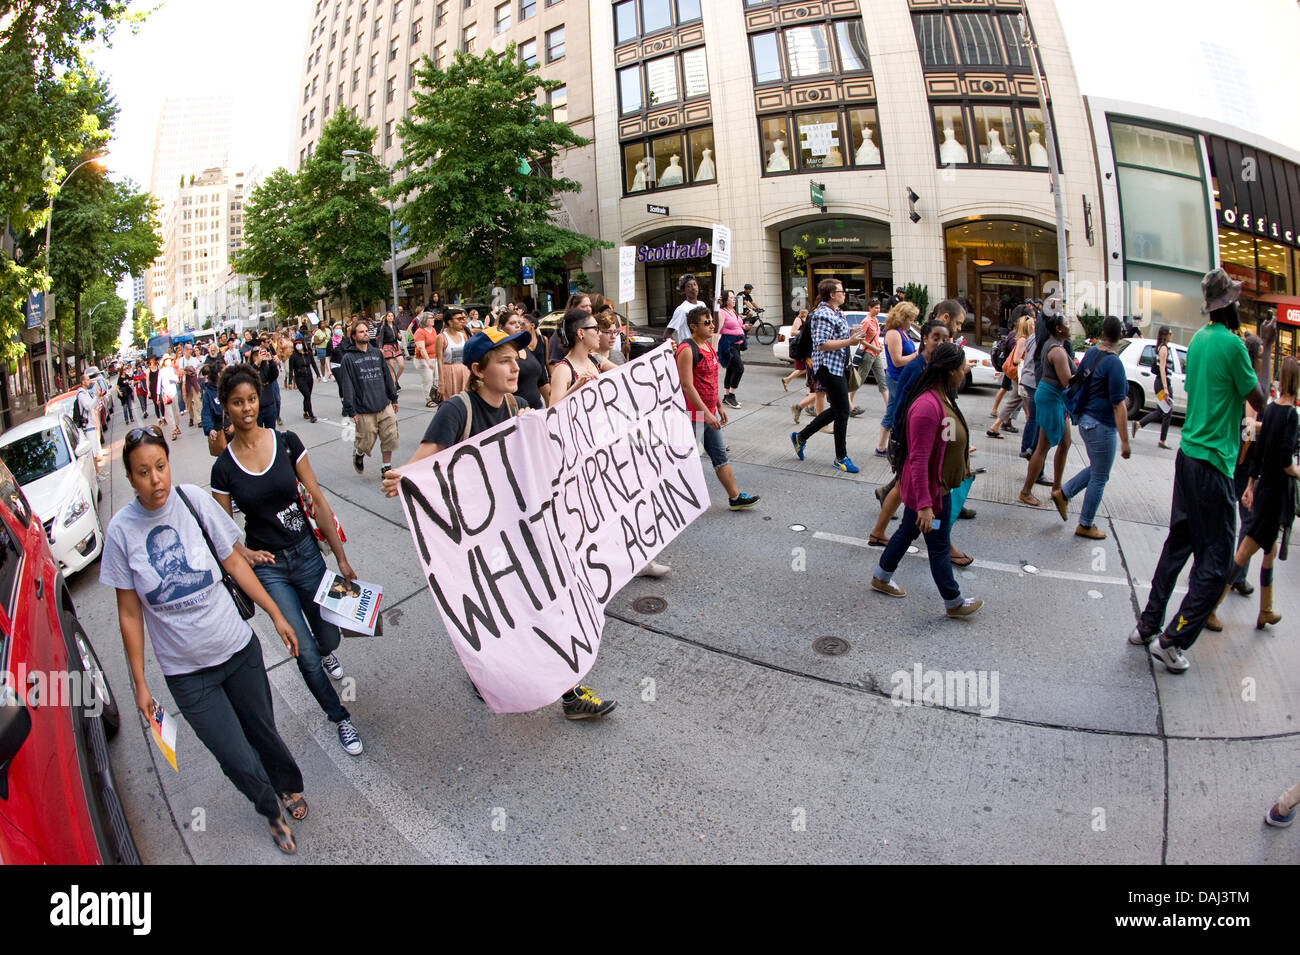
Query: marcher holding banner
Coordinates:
[697,367]
[260,470]
[493,360]
[580,364]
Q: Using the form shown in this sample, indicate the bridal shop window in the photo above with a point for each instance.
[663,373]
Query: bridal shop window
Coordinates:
[990,134]
[840,138]
[664,162]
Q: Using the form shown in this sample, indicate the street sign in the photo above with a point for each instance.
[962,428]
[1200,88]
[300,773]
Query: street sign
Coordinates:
[527,269]
[35,309]
[656,210]
[817,193]
[721,246]
[626,273]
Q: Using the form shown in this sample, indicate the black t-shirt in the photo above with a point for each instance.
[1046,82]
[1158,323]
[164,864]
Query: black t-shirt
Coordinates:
[1275,448]
[449,422]
[532,375]
[273,517]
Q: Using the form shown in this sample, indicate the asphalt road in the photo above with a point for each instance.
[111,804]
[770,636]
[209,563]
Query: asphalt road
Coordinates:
[735,740]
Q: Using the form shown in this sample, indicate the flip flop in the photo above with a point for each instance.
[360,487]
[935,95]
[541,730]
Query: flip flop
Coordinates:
[1029,500]
[874,541]
[993,434]
[282,836]
[961,560]
[294,805]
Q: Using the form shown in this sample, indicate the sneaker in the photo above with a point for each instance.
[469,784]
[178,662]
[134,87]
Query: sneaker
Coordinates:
[330,664]
[655,569]
[795,412]
[967,607]
[1092,533]
[1275,818]
[798,443]
[846,464]
[887,587]
[742,501]
[585,704]
[731,402]
[359,463]
[349,738]
[1171,656]
[1141,636]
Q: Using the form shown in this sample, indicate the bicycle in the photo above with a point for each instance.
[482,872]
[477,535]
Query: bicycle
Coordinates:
[764,331]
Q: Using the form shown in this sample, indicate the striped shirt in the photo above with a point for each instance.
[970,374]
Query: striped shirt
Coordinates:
[828,323]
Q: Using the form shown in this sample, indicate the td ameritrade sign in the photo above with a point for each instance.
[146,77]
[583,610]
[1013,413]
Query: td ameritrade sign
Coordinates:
[672,252]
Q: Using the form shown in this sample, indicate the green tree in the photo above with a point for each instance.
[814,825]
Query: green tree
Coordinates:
[346,224]
[275,240]
[141,326]
[466,198]
[107,318]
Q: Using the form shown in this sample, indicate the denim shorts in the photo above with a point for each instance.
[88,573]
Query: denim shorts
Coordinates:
[714,446]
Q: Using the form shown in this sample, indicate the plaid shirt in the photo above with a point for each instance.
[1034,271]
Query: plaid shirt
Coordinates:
[827,324]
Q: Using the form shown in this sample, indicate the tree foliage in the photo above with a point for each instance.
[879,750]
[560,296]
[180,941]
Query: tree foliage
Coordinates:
[465,197]
[141,326]
[275,243]
[345,223]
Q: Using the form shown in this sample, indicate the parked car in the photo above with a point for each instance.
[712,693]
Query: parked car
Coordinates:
[52,461]
[1138,356]
[58,798]
[981,373]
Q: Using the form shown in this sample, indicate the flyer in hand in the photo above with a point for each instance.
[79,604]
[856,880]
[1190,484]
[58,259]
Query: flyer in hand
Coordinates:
[350,604]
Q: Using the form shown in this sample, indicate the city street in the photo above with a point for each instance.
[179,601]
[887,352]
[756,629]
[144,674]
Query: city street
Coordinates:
[734,739]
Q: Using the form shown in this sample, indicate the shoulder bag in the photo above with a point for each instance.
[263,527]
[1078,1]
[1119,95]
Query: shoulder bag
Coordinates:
[243,603]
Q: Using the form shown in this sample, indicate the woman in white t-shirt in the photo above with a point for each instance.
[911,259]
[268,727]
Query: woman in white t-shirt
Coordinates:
[165,397]
[169,574]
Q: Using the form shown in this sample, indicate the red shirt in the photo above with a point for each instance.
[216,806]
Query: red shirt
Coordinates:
[706,380]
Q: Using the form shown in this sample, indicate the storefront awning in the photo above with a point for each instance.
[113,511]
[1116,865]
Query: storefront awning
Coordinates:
[1288,307]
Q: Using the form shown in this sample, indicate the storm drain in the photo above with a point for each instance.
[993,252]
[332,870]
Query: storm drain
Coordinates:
[831,646]
[650,605]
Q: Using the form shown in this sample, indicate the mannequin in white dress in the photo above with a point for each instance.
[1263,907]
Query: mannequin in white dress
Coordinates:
[1037,151]
[705,169]
[868,154]
[997,153]
[639,182]
[951,151]
[672,176]
[778,161]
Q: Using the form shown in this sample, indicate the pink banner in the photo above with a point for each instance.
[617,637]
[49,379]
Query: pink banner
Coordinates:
[525,532]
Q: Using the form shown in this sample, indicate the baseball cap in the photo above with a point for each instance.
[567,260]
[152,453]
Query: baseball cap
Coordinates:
[748,287]
[1219,290]
[480,343]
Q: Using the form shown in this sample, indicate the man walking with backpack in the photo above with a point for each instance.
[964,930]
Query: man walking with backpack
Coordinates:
[86,417]
[369,399]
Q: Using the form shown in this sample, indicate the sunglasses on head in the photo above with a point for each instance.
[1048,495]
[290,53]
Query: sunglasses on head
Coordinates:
[136,435]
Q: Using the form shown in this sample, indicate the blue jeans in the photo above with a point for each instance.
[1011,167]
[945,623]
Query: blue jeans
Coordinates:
[292,581]
[937,543]
[1101,441]
[891,404]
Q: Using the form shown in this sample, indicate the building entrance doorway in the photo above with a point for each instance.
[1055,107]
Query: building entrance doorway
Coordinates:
[853,271]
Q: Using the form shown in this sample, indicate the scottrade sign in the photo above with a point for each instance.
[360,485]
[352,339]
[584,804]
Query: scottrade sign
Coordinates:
[672,252]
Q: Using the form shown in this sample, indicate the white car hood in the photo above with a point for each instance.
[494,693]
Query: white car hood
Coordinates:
[51,494]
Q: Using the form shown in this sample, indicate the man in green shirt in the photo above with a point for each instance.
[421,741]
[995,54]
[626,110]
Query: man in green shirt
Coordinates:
[1203,517]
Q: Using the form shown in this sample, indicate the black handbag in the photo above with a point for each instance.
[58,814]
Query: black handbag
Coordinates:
[243,603]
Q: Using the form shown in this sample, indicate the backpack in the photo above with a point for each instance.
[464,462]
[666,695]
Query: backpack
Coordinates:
[695,351]
[469,412]
[801,349]
[78,416]
[1003,349]
[1077,391]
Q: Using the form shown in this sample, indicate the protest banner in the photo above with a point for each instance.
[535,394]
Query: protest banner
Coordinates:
[525,532]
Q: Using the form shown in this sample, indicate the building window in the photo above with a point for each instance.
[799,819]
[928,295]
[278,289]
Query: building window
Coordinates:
[661,81]
[440,14]
[339,97]
[946,40]
[634,18]
[410,75]
[356,78]
[554,44]
[663,162]
[370,104]
[417,30]
[379,22]
[528,52]
[989,134]
[361,14]
[468,37]
[527,8]
[391,92]
[325,107]
[392,52]
[397,11]
[304,126]
[374,64]
[440,54]
[306,94]
[388,134]
[664,80]
[558,100]
[809,51]
[334,38]
[840,138]
[347,26]
[314,80]
[501,18]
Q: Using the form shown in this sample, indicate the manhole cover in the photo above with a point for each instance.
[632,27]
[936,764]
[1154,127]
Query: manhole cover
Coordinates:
[831,646]
[650,605]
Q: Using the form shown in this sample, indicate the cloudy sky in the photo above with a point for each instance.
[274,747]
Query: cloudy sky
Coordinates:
[1232,62]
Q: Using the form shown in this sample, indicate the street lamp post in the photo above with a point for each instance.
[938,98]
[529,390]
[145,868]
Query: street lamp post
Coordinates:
[1053,164]
[392,248]
[49,268]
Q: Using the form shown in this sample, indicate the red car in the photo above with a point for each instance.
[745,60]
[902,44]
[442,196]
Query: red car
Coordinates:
[58,799]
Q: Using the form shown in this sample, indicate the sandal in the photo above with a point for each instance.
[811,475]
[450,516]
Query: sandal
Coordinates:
[961,560]
[1030,500]
[294,805]
[874,541]
[176,434]
[282,836]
